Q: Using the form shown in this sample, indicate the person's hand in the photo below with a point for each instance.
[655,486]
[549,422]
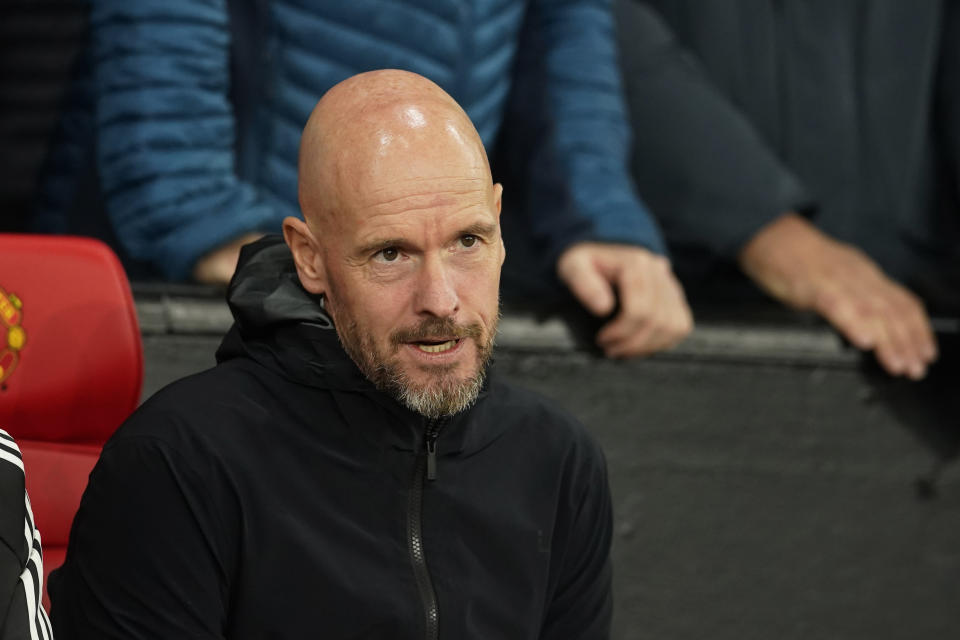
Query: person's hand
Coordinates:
[801,266]
[653,310]
[217,267]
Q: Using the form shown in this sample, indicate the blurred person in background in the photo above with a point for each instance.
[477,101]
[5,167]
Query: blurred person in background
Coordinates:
[180,143]
[815,146]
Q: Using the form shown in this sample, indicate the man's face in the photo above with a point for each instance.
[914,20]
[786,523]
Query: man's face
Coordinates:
[413,267]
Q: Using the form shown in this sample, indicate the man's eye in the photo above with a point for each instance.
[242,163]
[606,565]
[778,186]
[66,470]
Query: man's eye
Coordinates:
[468,240]
[389,254]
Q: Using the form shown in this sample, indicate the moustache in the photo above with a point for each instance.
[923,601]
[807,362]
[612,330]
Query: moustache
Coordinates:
[433,328]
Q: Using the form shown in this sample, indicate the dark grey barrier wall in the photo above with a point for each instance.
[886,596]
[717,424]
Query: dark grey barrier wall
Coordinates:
[767,484]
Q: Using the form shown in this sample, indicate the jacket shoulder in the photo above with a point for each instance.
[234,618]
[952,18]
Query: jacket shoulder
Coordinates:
[543,419]
[215,409]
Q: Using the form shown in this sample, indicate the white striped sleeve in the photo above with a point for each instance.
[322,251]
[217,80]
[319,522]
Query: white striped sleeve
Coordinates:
[26,608]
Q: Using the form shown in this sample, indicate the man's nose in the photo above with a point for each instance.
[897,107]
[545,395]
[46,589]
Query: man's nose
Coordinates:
[436,294]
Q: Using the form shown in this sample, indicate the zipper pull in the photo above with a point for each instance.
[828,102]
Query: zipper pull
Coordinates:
[432,456]
[430,441]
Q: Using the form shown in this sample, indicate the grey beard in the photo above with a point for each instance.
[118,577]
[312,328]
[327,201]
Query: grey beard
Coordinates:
[435,402]
[445,397]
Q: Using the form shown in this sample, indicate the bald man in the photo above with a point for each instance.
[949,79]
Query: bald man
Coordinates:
[351,468]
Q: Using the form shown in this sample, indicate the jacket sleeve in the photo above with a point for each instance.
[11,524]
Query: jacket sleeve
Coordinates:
[948,91]
[165,131]
[581,606]
[21,561]
[147,557]
[708,175]
[579,183]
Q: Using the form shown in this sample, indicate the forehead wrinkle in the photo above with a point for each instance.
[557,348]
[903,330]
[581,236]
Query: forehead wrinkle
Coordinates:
[425,189]
[406,206]
[398,222]
[453,190]
[416,179]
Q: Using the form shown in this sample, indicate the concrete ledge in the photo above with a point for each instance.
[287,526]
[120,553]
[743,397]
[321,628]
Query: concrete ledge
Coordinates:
[186,315]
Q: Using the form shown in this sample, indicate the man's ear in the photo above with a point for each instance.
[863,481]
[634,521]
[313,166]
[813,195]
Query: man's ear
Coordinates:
[498,197]
[498,203]
[306,254]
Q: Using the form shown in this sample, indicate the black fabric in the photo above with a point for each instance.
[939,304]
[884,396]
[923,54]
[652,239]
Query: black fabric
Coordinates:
[13,550]
[267,497]
[743,111]
[22,616]
[39,42]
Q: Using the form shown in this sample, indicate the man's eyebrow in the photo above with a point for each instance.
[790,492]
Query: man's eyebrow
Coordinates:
[485,229]
[380,245]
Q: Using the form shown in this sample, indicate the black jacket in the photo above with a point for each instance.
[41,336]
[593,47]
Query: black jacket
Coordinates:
[848,112]
[279,495]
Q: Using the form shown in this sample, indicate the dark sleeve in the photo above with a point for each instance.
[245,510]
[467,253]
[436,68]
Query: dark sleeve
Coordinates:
[12,545]
[581,607]
[149,553]
[9,575]
[22,616]
[709,177]
[948,90]
[165,131]
[568,101]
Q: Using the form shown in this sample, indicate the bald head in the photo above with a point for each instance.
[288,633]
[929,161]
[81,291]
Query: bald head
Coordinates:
[376,131]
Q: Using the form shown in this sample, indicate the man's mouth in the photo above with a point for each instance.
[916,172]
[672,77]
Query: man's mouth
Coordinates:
[436,346]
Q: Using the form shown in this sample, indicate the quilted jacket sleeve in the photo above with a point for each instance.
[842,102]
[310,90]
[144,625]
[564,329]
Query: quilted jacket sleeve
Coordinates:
[579,177]
[165,130]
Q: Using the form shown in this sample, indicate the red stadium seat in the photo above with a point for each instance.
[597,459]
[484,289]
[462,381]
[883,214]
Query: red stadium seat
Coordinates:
[71,368]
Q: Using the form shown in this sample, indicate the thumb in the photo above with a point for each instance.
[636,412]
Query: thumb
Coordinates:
[589,286]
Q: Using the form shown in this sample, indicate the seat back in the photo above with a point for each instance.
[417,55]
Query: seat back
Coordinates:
[71,367]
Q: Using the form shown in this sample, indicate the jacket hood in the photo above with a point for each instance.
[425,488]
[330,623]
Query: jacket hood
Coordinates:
[284,328]
[281,325]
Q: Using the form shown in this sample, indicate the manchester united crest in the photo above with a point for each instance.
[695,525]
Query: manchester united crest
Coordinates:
[12,335]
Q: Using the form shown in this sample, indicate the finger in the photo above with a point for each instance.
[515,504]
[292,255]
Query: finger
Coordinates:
[904,344]
[876,317]
[679,321]
[891,346]
[588,285]
[664,311]
[904,359]
[672,323]
[918,325]
[637,307]
[850,314]
[620,330]
[855,313]
[653,337]
[890,359]
[642,343]
[646,338]
[907,326]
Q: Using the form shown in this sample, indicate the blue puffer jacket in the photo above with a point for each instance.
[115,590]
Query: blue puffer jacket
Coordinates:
[196,108]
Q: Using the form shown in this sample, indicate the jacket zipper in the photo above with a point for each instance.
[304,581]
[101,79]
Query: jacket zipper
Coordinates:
[430,443]
[426,467]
